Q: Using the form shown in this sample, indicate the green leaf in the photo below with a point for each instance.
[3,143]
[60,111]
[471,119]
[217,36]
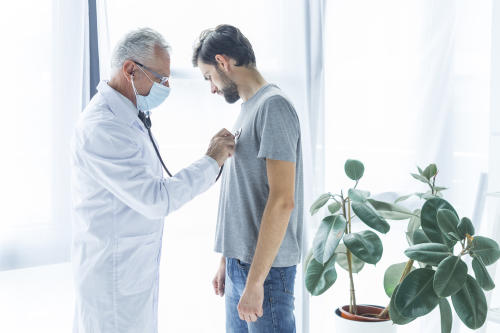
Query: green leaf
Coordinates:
[341,259]
[419,237]
[404,197]
[308,258]
[391,211]
[483,277]
[320,277]
[430,171]
[413,225]
[448,223]
[358,195]
[428,218]
[450,276]
[354,169]
[425,196]
[420,178]
[485,248]
[414,222]
[452,237]
[439,188]
[446,315]
[470,304]
[365,245]
[394,314]
[465,227]
[416,296]
[370,217]
[334,207]
[420,171]
[428,253]
[392,276]
[320,202]
[327,237]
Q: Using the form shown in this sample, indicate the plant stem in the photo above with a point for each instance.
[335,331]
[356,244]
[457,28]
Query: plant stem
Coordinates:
[352,304]
[406,271]
[349,213]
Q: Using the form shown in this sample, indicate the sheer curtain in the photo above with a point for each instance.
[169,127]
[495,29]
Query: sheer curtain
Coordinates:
[492,222]
[43,91]
[407,83]
[44,88]
[287,52]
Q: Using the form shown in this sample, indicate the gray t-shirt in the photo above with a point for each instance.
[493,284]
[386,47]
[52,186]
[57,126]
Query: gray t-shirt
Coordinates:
[269,129]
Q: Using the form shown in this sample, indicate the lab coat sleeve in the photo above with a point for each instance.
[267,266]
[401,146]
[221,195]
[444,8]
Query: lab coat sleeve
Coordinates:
[108,154]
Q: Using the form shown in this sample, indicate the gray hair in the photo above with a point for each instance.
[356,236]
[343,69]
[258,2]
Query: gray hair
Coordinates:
[138,45]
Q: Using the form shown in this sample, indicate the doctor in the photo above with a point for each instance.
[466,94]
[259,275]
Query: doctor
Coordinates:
[120,195]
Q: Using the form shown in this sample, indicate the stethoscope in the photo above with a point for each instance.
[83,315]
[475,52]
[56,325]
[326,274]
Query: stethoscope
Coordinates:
[144,117]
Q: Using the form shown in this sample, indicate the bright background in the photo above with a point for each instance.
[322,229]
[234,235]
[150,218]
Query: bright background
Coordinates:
[392,83]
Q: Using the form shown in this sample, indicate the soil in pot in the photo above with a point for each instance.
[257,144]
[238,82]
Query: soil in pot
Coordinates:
[364,313]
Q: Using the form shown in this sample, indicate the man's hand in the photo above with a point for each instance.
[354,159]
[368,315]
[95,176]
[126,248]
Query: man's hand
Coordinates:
[250,305]
[221,146]
[219,281]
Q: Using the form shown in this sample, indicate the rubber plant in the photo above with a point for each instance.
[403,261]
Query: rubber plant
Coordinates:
[334,241]
[439,242]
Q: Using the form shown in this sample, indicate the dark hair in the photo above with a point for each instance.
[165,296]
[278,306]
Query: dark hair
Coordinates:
[226,40]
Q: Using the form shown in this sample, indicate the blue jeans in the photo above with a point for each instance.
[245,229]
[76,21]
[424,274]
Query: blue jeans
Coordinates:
[278,303]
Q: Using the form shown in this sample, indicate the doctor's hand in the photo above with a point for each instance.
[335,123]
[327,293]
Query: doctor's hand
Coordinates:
[250,305]
[221,146]
[219,281]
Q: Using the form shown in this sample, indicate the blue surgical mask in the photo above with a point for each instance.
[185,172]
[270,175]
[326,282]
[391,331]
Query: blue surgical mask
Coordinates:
[156,96]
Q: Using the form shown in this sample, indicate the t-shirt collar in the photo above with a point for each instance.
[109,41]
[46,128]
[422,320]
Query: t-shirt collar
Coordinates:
[259,92]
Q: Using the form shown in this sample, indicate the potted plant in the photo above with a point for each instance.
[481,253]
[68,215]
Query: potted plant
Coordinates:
[335,243]
[439,242]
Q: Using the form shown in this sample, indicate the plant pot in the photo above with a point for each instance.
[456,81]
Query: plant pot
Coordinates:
[364,322]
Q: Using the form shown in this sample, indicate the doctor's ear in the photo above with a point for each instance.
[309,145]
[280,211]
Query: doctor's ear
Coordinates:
[128,69]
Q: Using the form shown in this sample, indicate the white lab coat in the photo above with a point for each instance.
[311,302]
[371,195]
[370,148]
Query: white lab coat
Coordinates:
[119,201]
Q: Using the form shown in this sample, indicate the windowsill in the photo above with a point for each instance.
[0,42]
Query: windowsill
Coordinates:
[34,245]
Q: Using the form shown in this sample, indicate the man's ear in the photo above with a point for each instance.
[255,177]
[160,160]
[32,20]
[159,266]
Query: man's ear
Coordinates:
[128,69]
[223,62]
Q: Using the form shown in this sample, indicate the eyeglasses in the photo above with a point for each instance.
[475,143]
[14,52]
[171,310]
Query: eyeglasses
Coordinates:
[163,79]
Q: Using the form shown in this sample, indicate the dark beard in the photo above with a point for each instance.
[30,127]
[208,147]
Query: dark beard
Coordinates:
[230,89]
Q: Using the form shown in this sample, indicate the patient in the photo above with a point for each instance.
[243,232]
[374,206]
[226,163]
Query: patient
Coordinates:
[259,227]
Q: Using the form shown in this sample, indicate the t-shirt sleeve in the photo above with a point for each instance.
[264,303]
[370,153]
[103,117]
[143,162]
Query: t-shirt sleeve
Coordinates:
[278,129]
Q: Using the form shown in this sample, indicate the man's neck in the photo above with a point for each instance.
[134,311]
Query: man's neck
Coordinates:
[123,88]
[251,81]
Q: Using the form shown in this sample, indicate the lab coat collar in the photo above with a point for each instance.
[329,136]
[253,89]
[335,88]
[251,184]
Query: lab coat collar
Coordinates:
[120,105]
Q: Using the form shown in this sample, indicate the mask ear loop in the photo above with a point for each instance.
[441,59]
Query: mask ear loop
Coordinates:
[137,94]
[133,85]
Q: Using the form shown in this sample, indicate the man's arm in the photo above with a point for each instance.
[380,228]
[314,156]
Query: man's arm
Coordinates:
[281,178]
[110,157]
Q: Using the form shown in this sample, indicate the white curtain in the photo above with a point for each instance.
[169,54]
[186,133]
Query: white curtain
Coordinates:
[71,92]
[43,90]
[492,221]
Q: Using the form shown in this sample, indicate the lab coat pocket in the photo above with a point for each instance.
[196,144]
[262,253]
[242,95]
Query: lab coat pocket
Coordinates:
[137,263]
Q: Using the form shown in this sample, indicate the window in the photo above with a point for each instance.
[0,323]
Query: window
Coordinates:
[26,126]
